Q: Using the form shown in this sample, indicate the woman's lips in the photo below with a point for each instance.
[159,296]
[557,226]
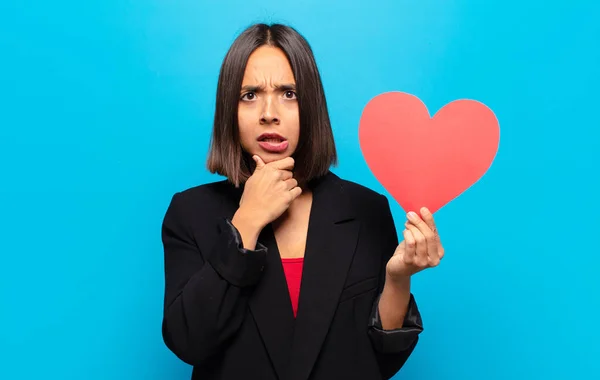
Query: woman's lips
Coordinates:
[273,146]
[272,142]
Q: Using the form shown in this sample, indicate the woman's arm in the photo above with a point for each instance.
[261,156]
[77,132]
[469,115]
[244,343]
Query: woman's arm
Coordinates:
[394,302]
[395,322]
[206,293]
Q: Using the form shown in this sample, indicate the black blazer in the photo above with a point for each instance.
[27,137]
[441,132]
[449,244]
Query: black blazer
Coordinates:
[228,312]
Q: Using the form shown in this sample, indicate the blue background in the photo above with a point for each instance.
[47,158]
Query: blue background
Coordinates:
[106,110]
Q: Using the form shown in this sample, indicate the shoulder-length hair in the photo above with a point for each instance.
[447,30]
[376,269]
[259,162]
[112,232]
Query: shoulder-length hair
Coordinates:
[316,150]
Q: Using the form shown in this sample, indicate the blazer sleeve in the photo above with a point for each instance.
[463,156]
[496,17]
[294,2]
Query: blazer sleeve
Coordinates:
[393,347]
[206,293]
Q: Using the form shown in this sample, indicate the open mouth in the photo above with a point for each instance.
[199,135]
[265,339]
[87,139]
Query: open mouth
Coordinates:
[272,142]
[271,138]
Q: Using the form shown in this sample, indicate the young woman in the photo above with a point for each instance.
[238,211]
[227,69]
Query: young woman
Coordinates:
[284,270]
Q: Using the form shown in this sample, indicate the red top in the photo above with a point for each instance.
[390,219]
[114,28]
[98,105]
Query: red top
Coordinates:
[293,275]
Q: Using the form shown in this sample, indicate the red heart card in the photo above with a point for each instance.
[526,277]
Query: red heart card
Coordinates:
[423,160]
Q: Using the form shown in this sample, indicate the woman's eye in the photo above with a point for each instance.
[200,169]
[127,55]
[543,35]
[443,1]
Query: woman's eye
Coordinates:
[249,96]
[290,94]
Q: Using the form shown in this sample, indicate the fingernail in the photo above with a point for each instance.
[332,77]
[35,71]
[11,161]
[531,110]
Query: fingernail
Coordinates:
[412,216]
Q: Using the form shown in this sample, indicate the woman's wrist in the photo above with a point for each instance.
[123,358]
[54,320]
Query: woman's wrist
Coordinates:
[400,283]
[393,304]
[248,227]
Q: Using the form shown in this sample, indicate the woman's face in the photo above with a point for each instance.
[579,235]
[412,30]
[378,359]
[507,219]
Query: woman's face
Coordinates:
[268,116]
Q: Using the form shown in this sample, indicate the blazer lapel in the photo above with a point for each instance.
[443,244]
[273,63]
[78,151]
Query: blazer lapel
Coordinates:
[330,246]
[270,303]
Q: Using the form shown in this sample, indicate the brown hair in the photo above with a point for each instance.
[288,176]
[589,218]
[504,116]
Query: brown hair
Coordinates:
[316,150]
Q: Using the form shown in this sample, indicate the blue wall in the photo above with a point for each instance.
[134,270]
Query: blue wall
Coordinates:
[105,112]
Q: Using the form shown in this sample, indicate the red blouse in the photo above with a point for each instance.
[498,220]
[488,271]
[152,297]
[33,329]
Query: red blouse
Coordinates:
[293,275]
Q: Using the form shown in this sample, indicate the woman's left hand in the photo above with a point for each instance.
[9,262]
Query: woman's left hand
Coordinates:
[420,249]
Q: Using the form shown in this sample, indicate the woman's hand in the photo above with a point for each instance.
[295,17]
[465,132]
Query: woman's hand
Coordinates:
[420,249]
[267,194]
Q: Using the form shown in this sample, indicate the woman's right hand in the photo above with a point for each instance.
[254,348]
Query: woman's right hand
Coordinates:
[267,194]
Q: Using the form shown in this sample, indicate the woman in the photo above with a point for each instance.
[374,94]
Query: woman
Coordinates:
[284,270]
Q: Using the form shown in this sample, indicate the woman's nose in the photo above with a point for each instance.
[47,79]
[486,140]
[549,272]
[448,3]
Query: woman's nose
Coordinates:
[269,113]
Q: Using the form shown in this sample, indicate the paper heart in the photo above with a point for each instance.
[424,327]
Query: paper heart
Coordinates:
[423,160]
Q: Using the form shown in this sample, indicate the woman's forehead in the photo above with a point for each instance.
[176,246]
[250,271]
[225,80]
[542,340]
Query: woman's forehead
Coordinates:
[268,66]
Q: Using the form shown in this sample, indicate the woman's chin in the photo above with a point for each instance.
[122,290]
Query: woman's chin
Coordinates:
[271,157]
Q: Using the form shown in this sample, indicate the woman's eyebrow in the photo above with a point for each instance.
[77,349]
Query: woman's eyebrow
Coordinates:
[280,87]
[285,87]
[251,88]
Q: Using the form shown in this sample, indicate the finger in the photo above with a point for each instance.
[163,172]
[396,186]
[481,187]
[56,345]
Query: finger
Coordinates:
[259,162]
[286,163]
[290,183]
[420,224]
[295,193]
[432,250]
[410,246]
[285,174]
[401,248]
[428,218]
[421,258]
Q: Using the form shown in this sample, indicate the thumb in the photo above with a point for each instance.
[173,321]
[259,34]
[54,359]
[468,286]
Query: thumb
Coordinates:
[259,162]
